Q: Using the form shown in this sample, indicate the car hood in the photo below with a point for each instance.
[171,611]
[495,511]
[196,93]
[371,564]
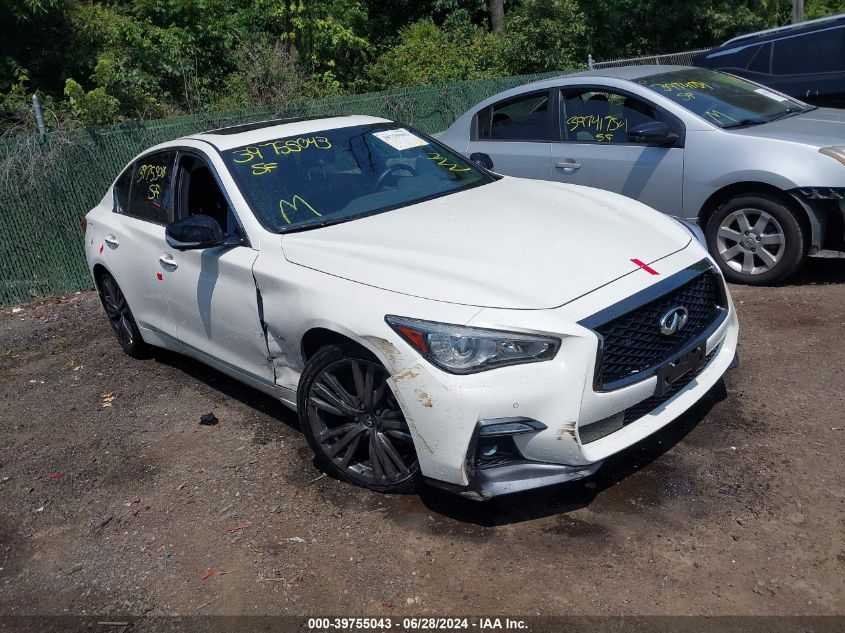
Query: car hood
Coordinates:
[513,243]
[820,127]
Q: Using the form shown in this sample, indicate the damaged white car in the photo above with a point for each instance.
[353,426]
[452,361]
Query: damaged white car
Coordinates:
[427,319]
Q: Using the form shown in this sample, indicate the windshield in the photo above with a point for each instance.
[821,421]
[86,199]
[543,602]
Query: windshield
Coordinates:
[332,176]
[721,99]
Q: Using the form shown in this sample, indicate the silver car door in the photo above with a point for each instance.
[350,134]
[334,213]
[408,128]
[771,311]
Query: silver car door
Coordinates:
[594,149]
[211,294]
[517,133]
[132,236]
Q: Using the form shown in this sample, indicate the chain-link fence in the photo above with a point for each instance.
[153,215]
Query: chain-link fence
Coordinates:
[683,58]
[47,187]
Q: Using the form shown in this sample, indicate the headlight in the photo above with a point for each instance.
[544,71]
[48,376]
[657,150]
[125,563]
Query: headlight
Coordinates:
[836,151]
[466,350]
[696,231]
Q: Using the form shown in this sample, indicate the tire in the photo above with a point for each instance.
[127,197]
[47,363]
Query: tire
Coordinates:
[756,239]
[120,317]
[353,422]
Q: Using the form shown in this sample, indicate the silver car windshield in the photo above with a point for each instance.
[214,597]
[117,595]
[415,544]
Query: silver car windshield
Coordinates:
[722,99]
[320,178]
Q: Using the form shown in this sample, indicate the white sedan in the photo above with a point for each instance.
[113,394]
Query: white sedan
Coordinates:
[426,318]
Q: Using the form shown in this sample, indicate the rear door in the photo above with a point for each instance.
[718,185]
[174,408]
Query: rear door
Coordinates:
[594,149]
[517,134]
[211,295]
[133,235]
[810,66]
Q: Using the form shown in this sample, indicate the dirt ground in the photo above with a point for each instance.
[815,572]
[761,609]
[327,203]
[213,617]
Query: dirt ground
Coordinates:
[113,499]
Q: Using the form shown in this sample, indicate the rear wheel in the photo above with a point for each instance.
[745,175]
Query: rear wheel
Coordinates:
[120,317]
[353,422]
[756,239]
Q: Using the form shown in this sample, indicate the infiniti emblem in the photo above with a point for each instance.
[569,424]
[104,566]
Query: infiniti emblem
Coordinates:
[673,321]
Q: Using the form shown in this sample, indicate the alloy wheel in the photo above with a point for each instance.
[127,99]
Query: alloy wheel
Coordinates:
[750,241]
[118,312]
[358,424]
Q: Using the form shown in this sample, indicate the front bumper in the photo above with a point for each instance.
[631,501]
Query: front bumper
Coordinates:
[445,412]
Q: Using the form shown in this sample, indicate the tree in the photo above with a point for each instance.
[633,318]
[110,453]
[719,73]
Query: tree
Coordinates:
[497,14]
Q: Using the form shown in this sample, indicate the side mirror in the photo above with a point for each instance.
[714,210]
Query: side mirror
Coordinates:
[196,232]
[653,133]
[480,158]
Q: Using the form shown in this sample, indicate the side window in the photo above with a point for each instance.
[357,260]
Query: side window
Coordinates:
[818,52]
[523,118]
[121,190]
[149,195]
[762,62]
[199,193]
[601,116]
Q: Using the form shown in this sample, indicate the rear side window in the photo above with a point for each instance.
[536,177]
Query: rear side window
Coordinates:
[524,118]
[122,188]
[818,52]
[144,189]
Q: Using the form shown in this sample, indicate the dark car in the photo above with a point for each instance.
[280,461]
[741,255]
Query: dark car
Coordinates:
[804,60]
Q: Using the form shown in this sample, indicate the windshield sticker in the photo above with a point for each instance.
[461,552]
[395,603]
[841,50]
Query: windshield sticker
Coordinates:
[400,139]
[444,162]
[770,94]
[294,205]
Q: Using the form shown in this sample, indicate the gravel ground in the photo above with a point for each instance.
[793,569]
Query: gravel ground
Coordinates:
[113,499]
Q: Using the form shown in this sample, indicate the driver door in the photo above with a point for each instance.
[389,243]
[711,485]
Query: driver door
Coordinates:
[211,295]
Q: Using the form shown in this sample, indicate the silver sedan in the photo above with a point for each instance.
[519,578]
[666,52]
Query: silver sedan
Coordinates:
[761,173]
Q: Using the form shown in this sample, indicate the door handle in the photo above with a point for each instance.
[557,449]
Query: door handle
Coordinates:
[168,262]
[569,165]
[111,240]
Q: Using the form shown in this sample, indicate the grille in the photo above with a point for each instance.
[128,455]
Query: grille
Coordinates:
[632,343]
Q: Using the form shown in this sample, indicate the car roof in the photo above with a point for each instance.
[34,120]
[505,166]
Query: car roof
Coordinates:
[629,72]
[250,133]
[790,29]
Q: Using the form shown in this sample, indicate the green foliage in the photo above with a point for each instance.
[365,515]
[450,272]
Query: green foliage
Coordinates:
[95,107]
[109,60]
[429,54]
[543,35]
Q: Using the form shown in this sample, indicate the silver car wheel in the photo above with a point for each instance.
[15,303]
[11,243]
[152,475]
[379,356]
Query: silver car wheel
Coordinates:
[751,241]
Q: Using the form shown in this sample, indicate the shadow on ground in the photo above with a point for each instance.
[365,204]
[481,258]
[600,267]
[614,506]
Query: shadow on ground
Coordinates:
[818,271]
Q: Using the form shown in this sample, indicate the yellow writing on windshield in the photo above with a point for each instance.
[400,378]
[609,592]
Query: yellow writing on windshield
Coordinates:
[297,204]
[259,169]
[442,161]
[672,86]
[281,148]
[720,117]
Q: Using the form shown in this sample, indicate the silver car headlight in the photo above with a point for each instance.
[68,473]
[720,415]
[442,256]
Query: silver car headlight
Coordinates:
[836,152]
[459,349]
[693,228]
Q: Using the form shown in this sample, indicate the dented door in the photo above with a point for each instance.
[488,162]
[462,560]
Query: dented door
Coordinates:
[213,305]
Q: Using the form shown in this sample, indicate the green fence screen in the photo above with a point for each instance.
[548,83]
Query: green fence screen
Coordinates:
[46,187]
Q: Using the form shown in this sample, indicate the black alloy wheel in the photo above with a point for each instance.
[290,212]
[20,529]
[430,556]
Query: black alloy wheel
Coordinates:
[353,422]
[120,316]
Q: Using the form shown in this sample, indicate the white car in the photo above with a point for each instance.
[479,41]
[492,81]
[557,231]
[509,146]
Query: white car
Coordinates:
[426,318]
